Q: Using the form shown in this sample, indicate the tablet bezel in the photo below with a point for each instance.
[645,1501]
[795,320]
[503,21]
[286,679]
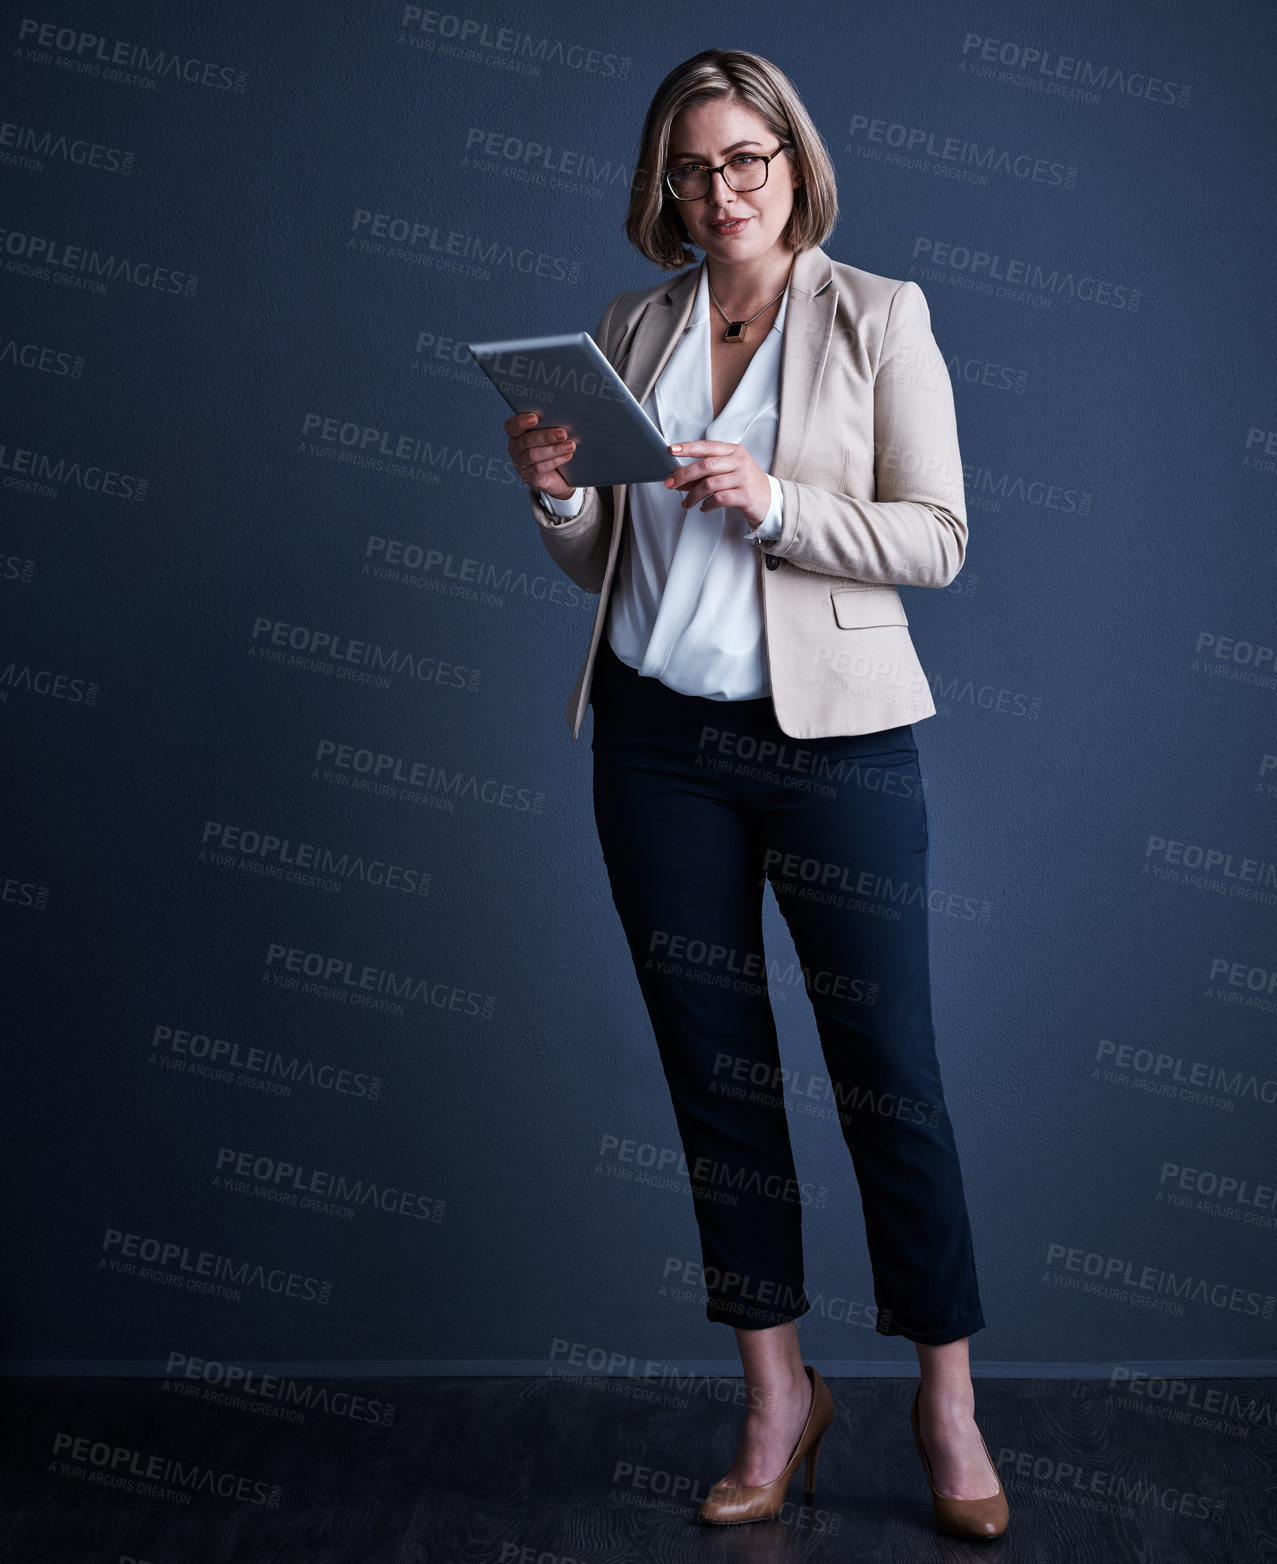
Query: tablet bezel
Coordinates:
[617,442]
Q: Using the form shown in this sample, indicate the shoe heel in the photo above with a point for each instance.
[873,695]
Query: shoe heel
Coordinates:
[809,1480]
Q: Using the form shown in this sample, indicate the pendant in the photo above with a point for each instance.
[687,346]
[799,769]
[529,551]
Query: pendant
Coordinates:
[735,331]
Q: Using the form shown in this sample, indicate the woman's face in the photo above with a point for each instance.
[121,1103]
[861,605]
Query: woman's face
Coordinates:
[711,133]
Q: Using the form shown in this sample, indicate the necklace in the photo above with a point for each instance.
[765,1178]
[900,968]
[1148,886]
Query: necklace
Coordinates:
[736,328]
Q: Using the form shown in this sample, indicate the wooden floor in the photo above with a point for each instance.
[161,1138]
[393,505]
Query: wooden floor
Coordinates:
[609,1471]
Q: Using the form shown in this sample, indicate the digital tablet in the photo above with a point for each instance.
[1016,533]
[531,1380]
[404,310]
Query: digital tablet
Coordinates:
[571,384]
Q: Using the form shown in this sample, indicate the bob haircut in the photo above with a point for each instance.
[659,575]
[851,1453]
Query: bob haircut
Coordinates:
[653,224]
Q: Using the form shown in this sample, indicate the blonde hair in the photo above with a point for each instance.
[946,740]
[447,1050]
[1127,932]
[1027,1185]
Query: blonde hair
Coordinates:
[653,224]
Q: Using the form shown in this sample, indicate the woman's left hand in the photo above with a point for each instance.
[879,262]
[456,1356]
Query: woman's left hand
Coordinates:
[726,475]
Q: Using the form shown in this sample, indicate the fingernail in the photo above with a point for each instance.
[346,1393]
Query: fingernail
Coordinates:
[676,447]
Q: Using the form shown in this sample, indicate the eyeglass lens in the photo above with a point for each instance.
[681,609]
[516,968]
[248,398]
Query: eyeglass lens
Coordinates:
[745,172]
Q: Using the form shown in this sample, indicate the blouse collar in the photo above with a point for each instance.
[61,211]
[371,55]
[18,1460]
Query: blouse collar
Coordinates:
[703,307]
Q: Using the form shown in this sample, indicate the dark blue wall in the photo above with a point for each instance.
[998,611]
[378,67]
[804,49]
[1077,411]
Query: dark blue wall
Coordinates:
[237,417]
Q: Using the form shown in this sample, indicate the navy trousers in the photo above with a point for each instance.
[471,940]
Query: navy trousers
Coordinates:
[699,804]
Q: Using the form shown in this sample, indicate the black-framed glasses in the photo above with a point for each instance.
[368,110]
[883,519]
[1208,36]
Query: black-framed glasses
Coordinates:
[747,170]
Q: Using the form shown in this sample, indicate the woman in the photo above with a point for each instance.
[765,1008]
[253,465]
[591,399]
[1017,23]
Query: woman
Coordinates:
[753,681]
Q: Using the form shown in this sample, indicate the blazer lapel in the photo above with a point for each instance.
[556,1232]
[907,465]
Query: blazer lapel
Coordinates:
[804,346]
[808,329]
[659,328]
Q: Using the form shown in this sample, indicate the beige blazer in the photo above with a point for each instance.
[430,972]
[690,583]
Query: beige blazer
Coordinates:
[868,463]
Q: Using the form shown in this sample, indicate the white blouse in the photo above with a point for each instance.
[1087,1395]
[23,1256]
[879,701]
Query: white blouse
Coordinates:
[686,605]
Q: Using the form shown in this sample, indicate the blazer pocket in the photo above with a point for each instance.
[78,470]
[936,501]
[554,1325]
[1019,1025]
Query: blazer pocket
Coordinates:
[861,608]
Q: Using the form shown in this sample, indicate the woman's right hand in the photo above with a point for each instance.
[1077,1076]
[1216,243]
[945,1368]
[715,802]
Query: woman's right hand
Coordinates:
[538,454]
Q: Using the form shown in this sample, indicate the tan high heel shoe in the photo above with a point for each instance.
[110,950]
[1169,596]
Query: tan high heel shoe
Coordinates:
[974,1520]
[729,1505]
